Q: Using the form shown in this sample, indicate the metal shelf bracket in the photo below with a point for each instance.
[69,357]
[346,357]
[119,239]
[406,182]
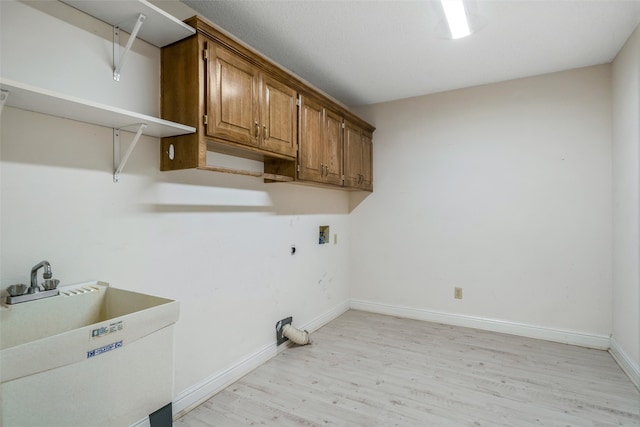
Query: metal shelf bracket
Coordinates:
[118,164]
[4,95]
[118,60]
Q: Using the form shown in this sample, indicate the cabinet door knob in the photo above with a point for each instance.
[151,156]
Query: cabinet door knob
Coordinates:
[265,132]
[321,169]
[257,129]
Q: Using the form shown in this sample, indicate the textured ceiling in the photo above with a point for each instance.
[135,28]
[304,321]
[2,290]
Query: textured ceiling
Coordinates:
[364,52]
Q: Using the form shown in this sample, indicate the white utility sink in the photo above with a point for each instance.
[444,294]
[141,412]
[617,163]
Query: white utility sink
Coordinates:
[93,355]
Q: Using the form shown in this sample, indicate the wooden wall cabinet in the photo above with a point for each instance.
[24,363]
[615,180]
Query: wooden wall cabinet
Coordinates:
[236,106]
[244,105]
[358,157]
[321,148]
[247,106]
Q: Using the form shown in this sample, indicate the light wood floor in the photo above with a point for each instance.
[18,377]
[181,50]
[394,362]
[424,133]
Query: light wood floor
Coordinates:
[366,369]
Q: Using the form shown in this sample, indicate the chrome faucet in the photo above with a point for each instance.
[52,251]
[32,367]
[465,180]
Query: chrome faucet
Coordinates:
[47,274]
[49,286]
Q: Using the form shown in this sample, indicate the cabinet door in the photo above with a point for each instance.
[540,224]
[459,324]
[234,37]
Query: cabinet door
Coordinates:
[367,161]
[352,155]
[332,142]
[310,151]
[278,117]
[232,107]
[358,159]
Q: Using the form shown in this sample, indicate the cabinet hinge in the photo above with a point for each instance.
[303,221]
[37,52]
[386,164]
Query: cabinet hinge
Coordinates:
[205,120]
[298,101]
[298,168]
[205,55]
[342,125]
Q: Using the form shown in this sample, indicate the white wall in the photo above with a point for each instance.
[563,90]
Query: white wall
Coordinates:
[626,201]
[218,243]
[503,190]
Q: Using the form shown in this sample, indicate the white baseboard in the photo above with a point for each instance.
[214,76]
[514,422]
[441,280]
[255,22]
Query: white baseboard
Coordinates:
[629,366]
[582,339]
[145,422]
[205,389]
[326,317]
[202,391]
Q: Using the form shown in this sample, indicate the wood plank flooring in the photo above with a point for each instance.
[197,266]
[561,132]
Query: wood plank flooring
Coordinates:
[366,369]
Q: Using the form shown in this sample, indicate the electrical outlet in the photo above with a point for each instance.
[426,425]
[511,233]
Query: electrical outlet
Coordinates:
[324,235]
[279,337]
[457,293]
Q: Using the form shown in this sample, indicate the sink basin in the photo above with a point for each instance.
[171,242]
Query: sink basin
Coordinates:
[110,348]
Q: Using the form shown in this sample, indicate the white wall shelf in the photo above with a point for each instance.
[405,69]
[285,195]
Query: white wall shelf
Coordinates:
[31,98]
[159,29]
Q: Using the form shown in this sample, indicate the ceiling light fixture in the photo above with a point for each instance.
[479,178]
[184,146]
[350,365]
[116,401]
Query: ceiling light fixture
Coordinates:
[456,18]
